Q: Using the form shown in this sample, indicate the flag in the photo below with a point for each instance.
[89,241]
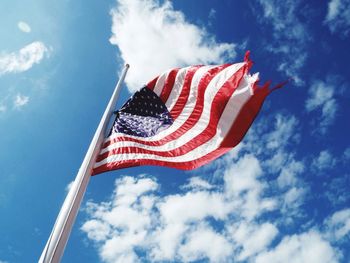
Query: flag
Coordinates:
[184,118]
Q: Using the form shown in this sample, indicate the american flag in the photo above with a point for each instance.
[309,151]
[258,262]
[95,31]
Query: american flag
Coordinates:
[184,118]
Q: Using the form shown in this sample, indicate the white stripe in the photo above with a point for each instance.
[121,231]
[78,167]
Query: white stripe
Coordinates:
[209,95]
[177,88]
[192,98]
[233,107]
[160,82]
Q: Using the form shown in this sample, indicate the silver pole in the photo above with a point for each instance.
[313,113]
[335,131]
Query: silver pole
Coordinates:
[57,241]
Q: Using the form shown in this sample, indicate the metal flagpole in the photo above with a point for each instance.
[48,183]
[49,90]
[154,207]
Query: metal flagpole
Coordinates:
[57,241]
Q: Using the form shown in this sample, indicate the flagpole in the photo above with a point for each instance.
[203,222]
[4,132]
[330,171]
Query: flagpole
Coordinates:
[57,241]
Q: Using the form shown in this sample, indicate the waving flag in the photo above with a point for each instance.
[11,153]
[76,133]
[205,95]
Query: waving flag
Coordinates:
[184,118]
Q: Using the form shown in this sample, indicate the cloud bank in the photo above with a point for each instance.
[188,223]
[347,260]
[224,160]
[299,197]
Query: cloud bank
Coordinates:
[240,214]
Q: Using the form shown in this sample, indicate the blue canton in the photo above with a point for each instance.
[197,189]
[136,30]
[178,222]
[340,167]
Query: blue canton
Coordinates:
[143,115]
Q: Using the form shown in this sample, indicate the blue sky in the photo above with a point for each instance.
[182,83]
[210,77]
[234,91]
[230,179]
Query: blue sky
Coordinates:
[282,195]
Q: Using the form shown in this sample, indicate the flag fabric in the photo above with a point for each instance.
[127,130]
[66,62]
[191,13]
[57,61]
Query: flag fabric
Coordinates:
[184,118]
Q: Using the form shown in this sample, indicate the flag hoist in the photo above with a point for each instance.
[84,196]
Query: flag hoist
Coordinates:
[57,241]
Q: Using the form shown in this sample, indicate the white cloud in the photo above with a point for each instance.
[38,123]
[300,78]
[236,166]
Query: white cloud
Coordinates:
[203,243]
[275,136]
[290,35]
[339,225]
[319,93]
[20,101]
[321,97]
[307,247]
[24,59]
[198,183]
[275,151]
[123,223]
[338,16]
[96,229]
[24,27]
[289,172]
[347,153]
[293,199]
[253,238]
[323,161]
[178,226]
[236,182]
[242,184]
[193,206]
[283,132]
[337,190]
[3,108]
[239,216]
[333,9]
[129,189]
[156,37]
[293,188]
[212,14]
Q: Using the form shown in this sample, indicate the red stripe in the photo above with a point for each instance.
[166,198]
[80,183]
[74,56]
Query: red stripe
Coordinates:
[246,117]
[185,92]
[191,121]
[168,85]
[218,105]
[237,131]
[152,83]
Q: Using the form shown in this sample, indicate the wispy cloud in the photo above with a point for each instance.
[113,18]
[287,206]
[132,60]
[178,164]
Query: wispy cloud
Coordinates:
[321,99]
[24,27]
[289,36]
[323,161]
[24,59]
[337,191]
[305,247]
[212,14]
[3,108]
[20,100]
[147,33]
[198,183]
[338,16]
[338,225]
[347,153]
